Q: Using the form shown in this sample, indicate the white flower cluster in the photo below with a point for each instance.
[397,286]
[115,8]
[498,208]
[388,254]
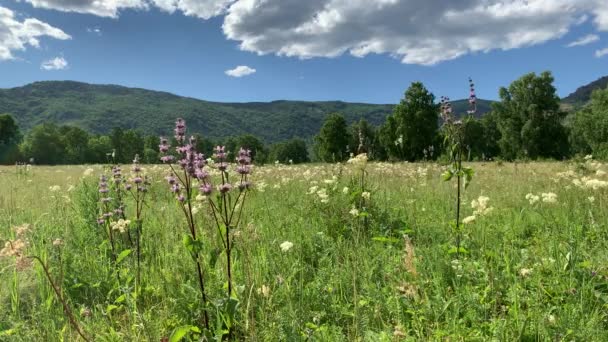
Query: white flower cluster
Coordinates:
[120,225]
[480,208]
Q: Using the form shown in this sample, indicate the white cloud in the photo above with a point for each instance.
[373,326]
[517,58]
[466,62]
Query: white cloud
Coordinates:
[16,35]
[204,9]
[101,8]
[417,32]
[601,53]
[57,63]
[588,39]
[240,71]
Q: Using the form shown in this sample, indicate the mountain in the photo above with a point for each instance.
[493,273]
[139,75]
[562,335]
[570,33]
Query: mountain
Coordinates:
[99,108]
[582,95]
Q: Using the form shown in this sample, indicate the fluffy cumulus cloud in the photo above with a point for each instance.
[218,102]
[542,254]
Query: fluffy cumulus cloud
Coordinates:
[240,71]
[586,40]
[417,32]
[102,8]
[16,35]
[57,63]
[199,8]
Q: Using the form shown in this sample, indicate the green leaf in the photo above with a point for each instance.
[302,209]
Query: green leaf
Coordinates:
[385,239]
[120,299]
[111,308]
[123,255]
[179,333]
[468,176]
[447,175]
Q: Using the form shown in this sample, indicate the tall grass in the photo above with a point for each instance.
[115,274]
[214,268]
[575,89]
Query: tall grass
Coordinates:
[533,272]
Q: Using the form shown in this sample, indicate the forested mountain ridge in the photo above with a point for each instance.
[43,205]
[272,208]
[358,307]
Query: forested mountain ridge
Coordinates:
[99,108]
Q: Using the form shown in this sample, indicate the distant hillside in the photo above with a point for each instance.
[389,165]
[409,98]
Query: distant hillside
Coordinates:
[582,95]
[99,108]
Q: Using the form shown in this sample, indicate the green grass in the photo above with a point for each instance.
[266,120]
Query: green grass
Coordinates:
[533,272]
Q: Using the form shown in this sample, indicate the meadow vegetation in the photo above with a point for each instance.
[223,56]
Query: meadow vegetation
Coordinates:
[354,251]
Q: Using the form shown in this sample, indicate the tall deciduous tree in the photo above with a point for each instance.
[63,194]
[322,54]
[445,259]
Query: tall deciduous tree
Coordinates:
[10,137]
[331,143]
[412,127]
[530,120]
[589,126]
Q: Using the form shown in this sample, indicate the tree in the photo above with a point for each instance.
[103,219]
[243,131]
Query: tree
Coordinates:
[99,147]
[45,144]
[331,143]
[412,127]
[529,119]
[132,144]
[75,141]
[589,127]
[10,137]
[291,151]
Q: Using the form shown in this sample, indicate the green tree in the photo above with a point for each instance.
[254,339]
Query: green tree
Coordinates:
[10,137]
[589,126]
[75,141]
[45,144]
[530,120]
[99,148]
[132,143]
[331,143]
[413,126]
[294,151]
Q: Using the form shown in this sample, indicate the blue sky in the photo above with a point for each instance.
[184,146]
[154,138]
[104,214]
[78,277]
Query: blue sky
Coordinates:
[314,50]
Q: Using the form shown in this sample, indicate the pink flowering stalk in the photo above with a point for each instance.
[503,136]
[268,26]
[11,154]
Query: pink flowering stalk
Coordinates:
[454,131]
[138,188]
[231,190]
[106,212]
[181,182]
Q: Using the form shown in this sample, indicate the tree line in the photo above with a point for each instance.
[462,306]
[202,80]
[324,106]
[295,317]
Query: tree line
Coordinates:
[526,123]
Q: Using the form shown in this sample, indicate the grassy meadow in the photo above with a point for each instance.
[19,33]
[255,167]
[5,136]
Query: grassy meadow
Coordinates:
[317,257]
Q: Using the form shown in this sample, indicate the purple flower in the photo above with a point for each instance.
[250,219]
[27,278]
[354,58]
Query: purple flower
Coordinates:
[138,180]
[101,221]
[224,188]
[170,179]
[244,186]
[180,130]
[220,153]
[206,189]
[164,145]
[181,198]
[244,157]
[127,187]
[166,159]
[243,169]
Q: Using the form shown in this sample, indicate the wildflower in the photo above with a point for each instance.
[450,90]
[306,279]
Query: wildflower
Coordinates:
[549,197]
[525,272]
[591,199]
[551,319]
[286,246]
[366,195]
[360,161]
[261,186]
[481,206]
[121,225]
[13,248]
[224,188]
[345,190]
[532,198]
[23,229]
[54,188]
[57,242]
[88,172]
[469,219]
[264,291]
[354,211]
[323,195]
[588,157]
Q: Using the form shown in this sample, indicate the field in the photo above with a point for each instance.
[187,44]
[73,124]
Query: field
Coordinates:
[317,265]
